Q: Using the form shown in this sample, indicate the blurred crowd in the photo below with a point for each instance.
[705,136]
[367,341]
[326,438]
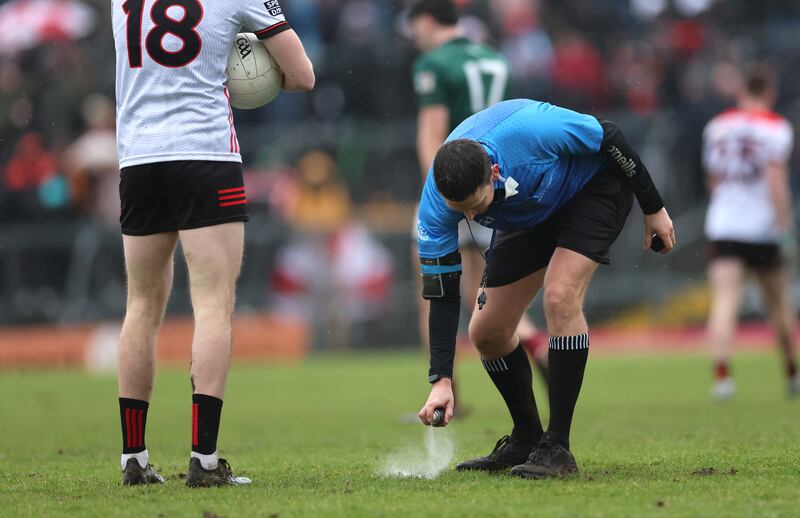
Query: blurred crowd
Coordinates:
[329,167]
[637,56]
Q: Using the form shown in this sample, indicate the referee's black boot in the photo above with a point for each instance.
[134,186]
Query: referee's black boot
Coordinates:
[549,460]
[508,452]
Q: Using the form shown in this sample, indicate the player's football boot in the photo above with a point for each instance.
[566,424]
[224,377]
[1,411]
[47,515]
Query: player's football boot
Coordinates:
[134,474]
[548,460]
[723,389]
[197,476]
[508,452]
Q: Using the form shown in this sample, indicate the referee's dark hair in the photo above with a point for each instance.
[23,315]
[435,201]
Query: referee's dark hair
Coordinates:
[460,167]
[443,11]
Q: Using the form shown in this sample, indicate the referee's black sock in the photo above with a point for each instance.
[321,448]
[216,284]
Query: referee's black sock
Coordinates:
[512,377]
[567,361]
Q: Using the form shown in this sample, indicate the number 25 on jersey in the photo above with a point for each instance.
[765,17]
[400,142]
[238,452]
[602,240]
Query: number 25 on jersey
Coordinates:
[164,23]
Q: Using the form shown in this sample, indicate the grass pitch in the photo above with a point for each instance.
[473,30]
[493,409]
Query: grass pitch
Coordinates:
[313,437]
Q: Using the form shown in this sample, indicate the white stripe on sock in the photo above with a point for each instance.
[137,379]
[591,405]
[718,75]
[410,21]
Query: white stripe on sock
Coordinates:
[569,343]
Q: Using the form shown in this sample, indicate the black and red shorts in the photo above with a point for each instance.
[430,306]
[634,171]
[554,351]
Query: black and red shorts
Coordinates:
[756,256]
[589,224]
[180,195]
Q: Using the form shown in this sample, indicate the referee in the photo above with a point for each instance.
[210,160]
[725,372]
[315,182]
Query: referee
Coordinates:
[556,186]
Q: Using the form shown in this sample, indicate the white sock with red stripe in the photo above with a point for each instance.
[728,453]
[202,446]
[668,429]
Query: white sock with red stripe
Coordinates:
[141,457]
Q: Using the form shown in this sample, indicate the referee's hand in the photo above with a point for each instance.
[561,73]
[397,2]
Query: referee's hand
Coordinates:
[659,224]
[441,396]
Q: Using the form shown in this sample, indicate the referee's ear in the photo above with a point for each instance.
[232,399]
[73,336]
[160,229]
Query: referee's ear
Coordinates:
[495,172]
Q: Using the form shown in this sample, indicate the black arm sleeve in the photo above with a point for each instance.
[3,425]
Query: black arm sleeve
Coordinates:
[443,292]
[627,162]
[443,324]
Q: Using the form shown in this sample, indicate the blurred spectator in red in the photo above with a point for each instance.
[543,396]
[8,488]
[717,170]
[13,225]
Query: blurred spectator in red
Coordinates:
[30,166]
[686,37]
[579,79]
[91,163]
[636,75]
[33,187]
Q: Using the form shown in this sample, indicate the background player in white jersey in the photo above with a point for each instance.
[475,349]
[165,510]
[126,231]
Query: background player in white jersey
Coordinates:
[453,79]
[746,154]
[181,179]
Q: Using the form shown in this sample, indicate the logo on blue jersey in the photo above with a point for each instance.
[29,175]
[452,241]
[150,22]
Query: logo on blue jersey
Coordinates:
[422,234]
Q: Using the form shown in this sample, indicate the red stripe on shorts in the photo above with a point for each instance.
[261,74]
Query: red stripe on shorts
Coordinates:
[228,203]
[232,196]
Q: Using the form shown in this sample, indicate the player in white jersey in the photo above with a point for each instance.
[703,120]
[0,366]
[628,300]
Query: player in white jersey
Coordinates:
[745,155]
[181,179]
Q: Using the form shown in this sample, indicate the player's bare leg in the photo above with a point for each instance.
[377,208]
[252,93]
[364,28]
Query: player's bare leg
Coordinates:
[775,286]
[493,331]
[213,257]
[534,340]
[726,276]
[568,276]
[473,265]
[149,267]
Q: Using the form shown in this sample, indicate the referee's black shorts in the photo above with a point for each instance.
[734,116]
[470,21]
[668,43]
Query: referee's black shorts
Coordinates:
[180,195]
[589,224]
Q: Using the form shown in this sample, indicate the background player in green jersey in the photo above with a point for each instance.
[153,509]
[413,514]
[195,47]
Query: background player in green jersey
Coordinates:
[453,79]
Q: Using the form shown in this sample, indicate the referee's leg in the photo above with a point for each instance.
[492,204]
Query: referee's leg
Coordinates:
[493,331]
[568,276]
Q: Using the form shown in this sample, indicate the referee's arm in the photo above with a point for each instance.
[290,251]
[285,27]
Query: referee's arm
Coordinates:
[630,167]
[440,285]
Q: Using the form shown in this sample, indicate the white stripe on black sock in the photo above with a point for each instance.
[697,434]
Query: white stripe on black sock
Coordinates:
[498,365]
[569,343]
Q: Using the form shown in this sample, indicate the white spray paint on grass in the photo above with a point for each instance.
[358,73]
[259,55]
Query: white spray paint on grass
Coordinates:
[413,461]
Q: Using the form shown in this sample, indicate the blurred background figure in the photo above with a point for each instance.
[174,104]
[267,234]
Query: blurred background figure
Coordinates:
[332,272]
[34,185]
[749,220]
[92,166]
